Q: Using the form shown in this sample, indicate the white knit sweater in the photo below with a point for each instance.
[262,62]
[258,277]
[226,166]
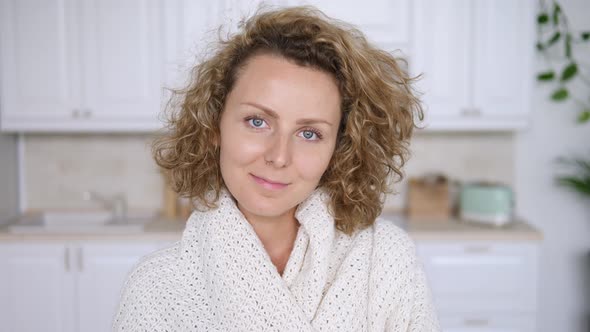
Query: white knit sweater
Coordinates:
[219,277]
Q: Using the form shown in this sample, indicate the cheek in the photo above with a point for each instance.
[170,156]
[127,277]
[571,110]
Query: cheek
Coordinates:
[239,149]
[311,166]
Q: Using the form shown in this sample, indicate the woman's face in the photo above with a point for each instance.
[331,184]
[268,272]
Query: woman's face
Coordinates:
[278,133]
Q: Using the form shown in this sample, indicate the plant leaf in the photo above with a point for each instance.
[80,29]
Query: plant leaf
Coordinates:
[556,12]
[575,183]
[584,116]
[568,46]
[546,76]
[585,35]
[568,72]
[542,18]
[560,94]
[554,38]
[540,46]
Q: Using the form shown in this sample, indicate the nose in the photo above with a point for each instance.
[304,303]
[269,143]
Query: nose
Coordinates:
[278,151]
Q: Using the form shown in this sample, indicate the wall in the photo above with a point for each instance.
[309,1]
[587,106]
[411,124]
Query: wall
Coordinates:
[563,217]
[59,168]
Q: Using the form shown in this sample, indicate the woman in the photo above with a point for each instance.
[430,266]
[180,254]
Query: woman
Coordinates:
[286,139]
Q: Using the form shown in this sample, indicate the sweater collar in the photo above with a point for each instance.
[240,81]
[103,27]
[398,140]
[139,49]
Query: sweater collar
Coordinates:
[222,244]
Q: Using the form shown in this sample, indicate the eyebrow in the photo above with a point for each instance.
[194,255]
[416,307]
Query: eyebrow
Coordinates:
[275,115]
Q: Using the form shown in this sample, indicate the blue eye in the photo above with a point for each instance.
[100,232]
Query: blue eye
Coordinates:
[311,135]
[256,122]
[308,134]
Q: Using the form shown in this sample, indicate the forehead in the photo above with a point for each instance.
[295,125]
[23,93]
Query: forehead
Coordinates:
[286,87]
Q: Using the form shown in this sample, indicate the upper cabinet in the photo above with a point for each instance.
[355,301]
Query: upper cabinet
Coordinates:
[475,60]
[80,65]
[386,23]
[193,27]
[187,26]
[122,63]
[93,65]
[39,62]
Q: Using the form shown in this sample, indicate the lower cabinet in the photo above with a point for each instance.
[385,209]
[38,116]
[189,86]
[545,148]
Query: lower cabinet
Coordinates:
[65,287]
[487,323]
[482,286]
[477,286]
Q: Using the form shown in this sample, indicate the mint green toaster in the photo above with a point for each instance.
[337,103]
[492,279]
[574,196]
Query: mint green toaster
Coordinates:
[486,203]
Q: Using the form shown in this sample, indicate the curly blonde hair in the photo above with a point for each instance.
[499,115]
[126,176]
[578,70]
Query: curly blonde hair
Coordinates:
[379,107]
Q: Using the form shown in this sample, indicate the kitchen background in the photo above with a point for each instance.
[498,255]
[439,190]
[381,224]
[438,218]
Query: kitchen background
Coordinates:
[51,170]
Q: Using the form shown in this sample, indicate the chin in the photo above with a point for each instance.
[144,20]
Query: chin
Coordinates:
[265,206]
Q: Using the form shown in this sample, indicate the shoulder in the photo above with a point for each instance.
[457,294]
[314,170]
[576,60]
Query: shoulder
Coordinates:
[394,252]
[399,282]
[390,238]
[154,265]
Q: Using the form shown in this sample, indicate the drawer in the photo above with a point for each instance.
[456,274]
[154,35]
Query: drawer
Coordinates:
[481,276]
[487,323]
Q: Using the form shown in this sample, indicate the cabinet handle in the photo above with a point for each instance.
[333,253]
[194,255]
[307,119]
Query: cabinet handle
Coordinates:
[476,322]
[87,113]
[80,260]
[470,111]
[67,259]
[476,249]
[75,113]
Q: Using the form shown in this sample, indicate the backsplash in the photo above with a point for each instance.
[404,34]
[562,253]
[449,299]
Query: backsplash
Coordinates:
[59,168]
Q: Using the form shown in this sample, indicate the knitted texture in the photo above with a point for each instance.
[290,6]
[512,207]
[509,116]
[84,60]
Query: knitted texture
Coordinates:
[219,277]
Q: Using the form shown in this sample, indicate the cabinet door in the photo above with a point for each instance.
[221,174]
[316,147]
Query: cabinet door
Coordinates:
[503,50]
[385,22]
[122,64]
[39,56]
[189,29]
[487,323]
[102,271]
[36,288]
[481,276]
[475,57]
[442,55]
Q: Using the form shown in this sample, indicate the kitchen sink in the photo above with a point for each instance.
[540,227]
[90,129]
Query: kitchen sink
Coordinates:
[93,221]
[59,219]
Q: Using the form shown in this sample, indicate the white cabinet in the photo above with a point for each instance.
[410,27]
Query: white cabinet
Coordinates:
[191,26]
[80,65]
[101,272]
[475,57]
[482,285]
[36,288]
[65,287]
[487,323]
[93,65]
[40,67]
[386,23]
[122,63]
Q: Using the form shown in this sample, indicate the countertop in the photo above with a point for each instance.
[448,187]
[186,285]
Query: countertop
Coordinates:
[158,229]
[456,230]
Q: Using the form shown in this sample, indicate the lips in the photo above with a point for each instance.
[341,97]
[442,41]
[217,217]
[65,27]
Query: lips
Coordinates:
[269,184]
[270,181]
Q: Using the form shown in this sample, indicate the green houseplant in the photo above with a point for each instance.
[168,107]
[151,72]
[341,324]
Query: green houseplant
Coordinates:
[556,42]
[579,181]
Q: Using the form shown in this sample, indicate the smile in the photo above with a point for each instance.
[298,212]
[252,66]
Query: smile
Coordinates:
[269,184]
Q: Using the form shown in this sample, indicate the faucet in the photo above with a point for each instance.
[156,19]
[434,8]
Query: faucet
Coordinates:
[117,203]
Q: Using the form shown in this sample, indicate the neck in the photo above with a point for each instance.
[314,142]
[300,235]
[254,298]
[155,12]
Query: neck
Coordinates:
[276,233]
